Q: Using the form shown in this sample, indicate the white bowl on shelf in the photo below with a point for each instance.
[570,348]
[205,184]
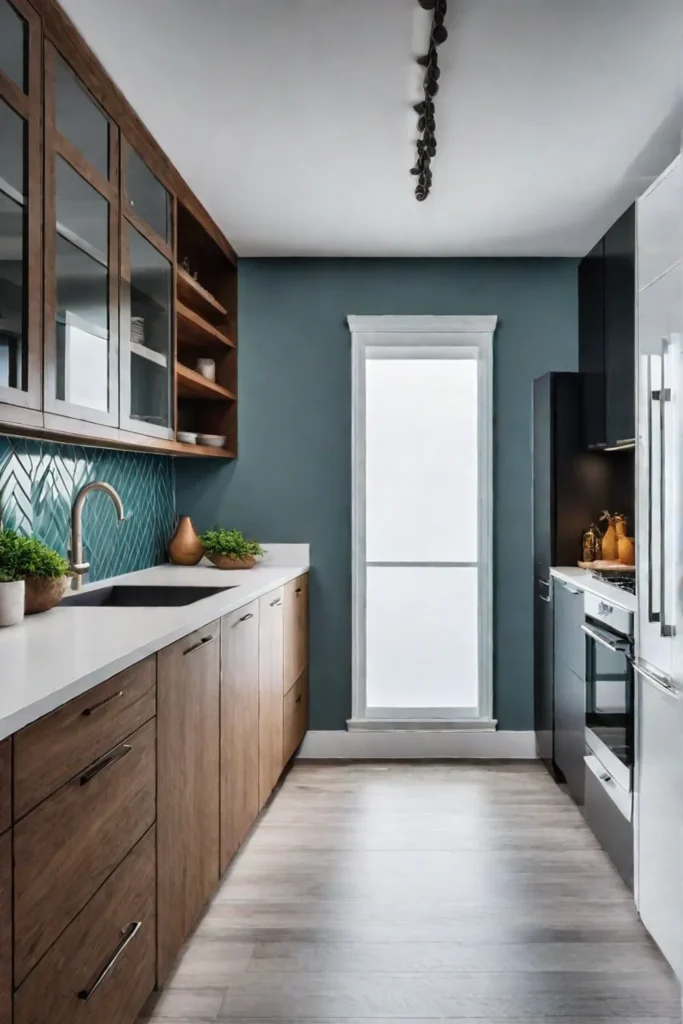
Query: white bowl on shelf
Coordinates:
[187,437]
[212,440]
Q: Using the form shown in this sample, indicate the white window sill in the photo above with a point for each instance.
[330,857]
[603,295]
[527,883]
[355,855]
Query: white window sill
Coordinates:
[422,725]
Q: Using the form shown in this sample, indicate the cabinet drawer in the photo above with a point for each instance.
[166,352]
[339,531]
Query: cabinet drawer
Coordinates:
[68,846]
[51,751]
[569,640]
[6,928]
[5,784]
[296,630]
[123,909]
[295,715]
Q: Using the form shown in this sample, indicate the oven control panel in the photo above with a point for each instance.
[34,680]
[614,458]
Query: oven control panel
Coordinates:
[613,615]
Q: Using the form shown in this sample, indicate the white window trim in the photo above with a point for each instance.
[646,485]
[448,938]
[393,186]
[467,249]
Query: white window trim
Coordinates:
[452,331]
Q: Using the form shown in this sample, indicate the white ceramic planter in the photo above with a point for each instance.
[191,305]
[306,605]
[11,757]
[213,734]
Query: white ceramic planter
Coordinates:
[11,603]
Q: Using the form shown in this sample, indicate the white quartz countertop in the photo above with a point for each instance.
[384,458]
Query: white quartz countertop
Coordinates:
[48,659]
[583,579]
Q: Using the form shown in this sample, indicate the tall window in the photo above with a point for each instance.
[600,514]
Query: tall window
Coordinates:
[422,519]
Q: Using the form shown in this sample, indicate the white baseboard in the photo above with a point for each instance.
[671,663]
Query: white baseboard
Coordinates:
[417,745]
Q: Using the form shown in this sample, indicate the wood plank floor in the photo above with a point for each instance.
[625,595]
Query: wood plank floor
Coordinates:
[376,894]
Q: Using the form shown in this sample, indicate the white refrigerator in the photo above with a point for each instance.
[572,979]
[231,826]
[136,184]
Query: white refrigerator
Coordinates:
[658,676]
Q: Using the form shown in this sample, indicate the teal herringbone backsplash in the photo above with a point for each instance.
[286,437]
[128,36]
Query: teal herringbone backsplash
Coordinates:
[39,480]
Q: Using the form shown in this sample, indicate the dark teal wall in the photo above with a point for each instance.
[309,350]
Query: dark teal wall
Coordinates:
[39,480]
[292,479]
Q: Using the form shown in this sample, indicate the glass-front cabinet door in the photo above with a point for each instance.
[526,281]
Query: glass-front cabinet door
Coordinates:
[20,214]
[81,251]
[147,295]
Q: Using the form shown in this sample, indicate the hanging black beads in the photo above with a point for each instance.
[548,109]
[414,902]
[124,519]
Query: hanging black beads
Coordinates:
[426,118]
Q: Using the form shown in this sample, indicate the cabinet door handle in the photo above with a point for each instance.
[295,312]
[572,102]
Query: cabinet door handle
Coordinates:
[245,618]
[278,600]
[129,934]
[546,599]
[625,440]
[298,700]
[299,590]
[619,647]
[570,589]
[202,643]
[661,684]
[101,704]
[665,628]
[105,762]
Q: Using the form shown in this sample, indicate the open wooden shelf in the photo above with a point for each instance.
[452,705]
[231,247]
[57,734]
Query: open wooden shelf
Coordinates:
[192,385]
[191,292]
[195,330]
[202,450]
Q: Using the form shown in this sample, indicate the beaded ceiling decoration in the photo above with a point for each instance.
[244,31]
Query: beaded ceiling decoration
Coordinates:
[426,120]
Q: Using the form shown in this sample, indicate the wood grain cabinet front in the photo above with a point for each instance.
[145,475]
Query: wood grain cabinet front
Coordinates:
[69,845]
[55,748]
[188,717]
[271,657]
[5,784]
[295,630]
[239,727]
[5,928]
[295,715]
[101,969]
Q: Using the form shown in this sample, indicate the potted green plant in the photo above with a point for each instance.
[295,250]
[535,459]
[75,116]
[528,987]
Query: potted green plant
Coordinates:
[228,549]
[11,585]
[44,573]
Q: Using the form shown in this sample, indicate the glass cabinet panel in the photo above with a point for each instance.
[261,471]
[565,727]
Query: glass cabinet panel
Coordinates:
[79,119]
[13,203]
[151,336]
[146,196]
[13,44]
[82,271]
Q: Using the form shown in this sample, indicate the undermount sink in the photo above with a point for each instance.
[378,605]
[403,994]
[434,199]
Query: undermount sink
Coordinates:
[142,597]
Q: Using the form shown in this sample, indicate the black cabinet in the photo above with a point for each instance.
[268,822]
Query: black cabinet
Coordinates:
[620,329]
[607,283]
[569,690]
[592,346]
[543,672]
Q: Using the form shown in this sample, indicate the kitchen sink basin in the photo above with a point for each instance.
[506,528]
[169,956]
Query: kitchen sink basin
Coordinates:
[141,597]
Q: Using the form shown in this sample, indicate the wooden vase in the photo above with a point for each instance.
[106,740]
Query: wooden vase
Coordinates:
[185,547]
[42,593]
[625,549]
[610,551]
[226,562]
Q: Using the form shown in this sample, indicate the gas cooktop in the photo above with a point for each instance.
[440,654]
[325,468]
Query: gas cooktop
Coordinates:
[622,580]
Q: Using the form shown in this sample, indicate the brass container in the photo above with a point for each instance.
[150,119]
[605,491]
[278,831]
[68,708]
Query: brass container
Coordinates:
[185,547]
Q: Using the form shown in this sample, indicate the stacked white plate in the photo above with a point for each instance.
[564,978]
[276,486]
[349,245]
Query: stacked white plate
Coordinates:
[212,440]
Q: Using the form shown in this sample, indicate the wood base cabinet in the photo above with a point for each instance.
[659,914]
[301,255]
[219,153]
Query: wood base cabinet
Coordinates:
[101,969]
[295,716]
[188,717]
[271,666]
[239,727]
[6,928]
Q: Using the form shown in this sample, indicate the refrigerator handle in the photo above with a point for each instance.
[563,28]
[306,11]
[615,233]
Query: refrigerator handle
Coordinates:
[664,396]
[653,396]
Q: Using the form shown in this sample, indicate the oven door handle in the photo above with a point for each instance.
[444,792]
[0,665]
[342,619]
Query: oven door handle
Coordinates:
[618,647]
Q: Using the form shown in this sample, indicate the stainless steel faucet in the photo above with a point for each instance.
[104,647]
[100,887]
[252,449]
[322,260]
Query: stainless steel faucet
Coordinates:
[78,566]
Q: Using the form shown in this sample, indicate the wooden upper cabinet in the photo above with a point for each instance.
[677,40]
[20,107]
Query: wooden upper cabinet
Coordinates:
[81,245]
[271,723]
[20,214]
[147,300]
[188,724]
[239,727]
[296,630]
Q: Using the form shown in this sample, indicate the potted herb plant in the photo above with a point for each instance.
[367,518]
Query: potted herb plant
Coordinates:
[11,585]
[228,549]
[44,572]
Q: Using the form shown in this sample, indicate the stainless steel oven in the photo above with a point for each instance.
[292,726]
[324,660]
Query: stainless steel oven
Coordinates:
[609,689]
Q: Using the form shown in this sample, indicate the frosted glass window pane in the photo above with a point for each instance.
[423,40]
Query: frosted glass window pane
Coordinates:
[421,460]
[421,639]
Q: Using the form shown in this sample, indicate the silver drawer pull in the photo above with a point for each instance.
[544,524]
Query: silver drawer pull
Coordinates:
[618,647]
[202,643]
[105,762]
[129,933]
[661,684]
[278,600]
[101,704]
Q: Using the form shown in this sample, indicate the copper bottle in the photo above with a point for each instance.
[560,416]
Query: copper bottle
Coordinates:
[185,547]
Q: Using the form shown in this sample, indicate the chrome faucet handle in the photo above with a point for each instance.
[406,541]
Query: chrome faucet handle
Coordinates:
[80,568]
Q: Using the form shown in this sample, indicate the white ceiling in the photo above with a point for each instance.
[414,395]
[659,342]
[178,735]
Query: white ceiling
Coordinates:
[292,119]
